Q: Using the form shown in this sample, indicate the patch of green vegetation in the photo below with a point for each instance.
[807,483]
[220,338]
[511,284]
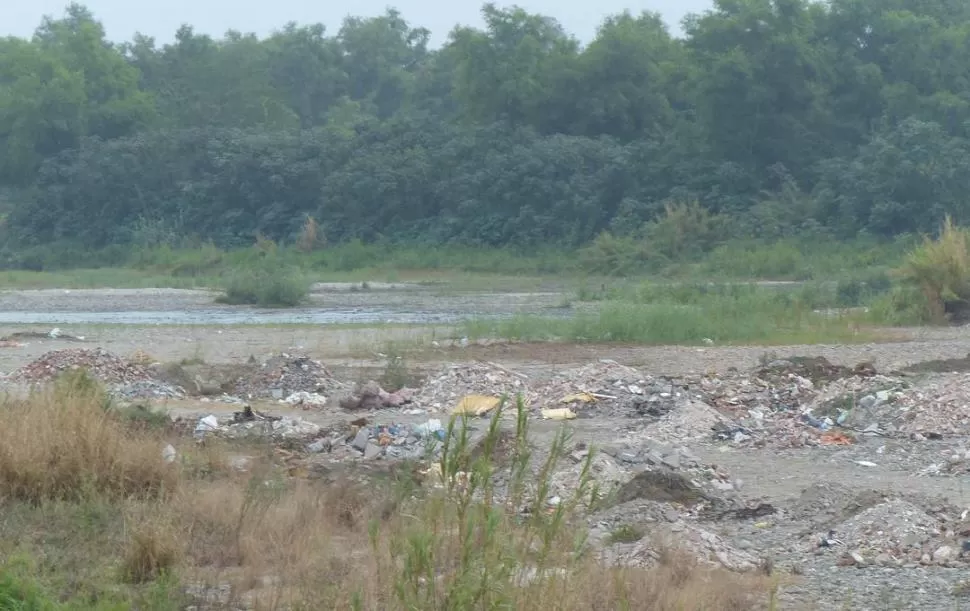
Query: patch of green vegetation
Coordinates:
[654,313]
[626,533]
[266,287]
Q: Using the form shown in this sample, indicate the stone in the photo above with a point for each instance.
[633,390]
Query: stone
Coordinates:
[943,554]
[672,460]
[320,445]
[360,440]
[372,451]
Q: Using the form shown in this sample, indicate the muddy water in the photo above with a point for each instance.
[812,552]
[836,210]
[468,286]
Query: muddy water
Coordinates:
[197,307]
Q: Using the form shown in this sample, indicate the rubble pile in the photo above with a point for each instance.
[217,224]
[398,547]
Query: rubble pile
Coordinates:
[283,375]
[147,389]
[250,423]
[443,391]
[706,547]
[370,396]
[606,388]
[893,532]
[99,363]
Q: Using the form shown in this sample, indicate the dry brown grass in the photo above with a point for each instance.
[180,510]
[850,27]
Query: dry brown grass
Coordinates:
[285,543]
[62,443]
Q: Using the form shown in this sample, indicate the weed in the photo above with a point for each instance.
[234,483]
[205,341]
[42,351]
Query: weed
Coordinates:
[626,533]
[396,374]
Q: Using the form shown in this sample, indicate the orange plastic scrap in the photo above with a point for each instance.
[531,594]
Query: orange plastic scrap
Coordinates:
[835,438]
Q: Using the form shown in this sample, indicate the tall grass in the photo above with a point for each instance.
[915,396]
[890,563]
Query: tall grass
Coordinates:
[203,263]
[691,314]
[63,443]
[455,540]
[940,269]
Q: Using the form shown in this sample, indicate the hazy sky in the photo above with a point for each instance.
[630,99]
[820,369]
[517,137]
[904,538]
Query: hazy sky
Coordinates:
[161,18]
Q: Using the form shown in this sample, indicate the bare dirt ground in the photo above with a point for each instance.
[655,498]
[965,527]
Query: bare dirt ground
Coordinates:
[815,489]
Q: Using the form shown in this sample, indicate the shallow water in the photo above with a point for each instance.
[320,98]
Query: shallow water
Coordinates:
[226,316]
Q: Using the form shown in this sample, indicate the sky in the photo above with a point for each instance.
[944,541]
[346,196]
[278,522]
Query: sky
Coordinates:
[161,18]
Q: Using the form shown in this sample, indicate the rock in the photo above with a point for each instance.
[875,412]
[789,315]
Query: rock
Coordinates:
[858,559]
[372,451]
[360,440]
[240,463]
[318,446]
[943,554]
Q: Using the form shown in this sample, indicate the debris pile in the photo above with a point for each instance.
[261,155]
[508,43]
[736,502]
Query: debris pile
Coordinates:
[704,546]
[370,396]
[283,375]
[895,531]
[250,423]
[606,388]
[443,391]
[147,389]
[99,363]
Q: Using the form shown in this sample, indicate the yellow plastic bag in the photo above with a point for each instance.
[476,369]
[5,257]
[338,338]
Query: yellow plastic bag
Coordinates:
[560,413]
[475,405]
[579,397]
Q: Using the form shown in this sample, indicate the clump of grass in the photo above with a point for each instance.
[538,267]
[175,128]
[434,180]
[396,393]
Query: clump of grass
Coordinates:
[153,550]
[940,268]
[626,533]
[145,417]
[61,443]
[716,319]
[266,287]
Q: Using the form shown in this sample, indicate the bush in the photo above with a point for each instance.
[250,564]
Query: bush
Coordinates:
[940,268]
[266,287]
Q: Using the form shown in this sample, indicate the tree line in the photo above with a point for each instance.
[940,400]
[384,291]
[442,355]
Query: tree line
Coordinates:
[767,119]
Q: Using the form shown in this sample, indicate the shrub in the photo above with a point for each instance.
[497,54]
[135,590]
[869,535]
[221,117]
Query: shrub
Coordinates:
[266,287]
[941,269]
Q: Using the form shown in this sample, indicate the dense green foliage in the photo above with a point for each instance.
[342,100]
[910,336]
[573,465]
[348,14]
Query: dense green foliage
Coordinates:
[769,119]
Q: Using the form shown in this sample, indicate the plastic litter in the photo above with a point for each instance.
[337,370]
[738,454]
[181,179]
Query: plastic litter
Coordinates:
[476,405]
[429,428]
[206,425]
[168,453]
[561,413]
[579,397]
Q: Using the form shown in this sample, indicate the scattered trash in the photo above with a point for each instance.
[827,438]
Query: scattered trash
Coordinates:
[835,438]
[305,399]
[431,427]
[168,453]
[476,405]
[562,413]
[206,424]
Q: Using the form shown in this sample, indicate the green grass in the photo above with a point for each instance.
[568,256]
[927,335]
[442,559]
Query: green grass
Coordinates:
[268,286]
[466,267]
[690,314]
